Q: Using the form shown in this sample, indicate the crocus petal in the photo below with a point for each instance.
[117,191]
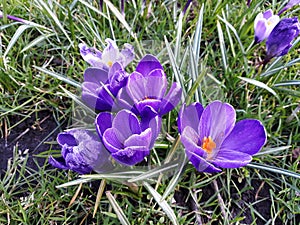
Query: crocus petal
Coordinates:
[66,138]
[201,164]
[91,55]
[103,122]
[189,116]
[147,64]
[127,54]
[217,121]
[171,100]
[248,136]
[142,139]
[112,139]
[58,162]
[130,155]
[231,159]
[279,40]
[127,124]
[260,31]
[190,140]
[110,52]
[156,84]
[95,75]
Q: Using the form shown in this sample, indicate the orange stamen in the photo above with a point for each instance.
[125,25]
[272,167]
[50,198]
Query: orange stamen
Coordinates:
[208,144]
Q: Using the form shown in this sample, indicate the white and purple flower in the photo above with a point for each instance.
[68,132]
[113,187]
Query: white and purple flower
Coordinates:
[213,140]
[81,152]
[264,24]
[109,56]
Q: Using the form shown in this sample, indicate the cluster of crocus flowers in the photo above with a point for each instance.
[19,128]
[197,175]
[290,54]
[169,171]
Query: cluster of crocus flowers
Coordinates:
[129,106]
[279,34]
[213,140]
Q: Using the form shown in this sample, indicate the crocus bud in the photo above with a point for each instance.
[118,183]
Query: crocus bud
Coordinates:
[264,24]
[279,41]
[290,4]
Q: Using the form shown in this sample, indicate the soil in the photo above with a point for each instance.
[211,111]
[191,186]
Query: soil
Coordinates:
[29,137]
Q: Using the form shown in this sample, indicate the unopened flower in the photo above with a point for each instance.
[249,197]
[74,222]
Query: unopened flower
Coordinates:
[264,24]
[109,56]
[126,138]
[281,37]
[146,91]
[290,4]
[213,140]
[81,152]
[100,86]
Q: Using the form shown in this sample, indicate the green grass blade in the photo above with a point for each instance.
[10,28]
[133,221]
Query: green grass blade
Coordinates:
[59,76]
[274,169]
[272,150]
[222,45]
[15,38]
[163,204]
[176,71]
[261,85]
[176,178]
[155,172]
[36,41]
[198,35]
[44,5]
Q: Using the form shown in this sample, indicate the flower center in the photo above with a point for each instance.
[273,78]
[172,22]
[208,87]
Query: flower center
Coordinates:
[208,144]
[109,63]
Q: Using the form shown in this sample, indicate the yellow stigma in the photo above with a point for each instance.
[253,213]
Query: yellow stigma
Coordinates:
[208,144]
[109,63]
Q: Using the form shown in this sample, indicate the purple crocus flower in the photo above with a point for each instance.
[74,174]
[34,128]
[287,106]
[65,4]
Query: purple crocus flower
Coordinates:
[109,56]
[146,91]
[248,3]
[290,4]
[100,86]
[125,137]
[264,24]
[81,152]
[213,140]
[279,41]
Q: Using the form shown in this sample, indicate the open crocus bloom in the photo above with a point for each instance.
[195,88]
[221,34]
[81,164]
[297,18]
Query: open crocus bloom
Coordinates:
[109,56]
[146,91]
[81,152]
[213,140]
[281,37]
[125,137]
[100,86]
[264,24]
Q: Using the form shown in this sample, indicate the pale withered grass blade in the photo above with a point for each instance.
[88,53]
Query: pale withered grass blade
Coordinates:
[99,196]
[163,204]
[118,210]
[87,4]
